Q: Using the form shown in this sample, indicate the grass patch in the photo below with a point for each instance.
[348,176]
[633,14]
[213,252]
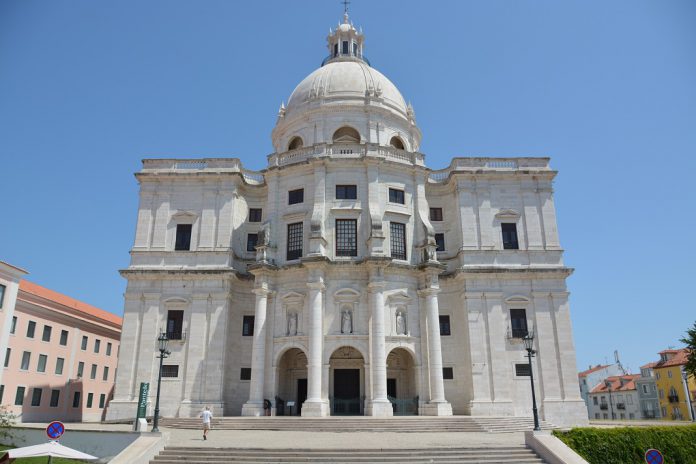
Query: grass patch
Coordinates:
[41,460]
[627,445]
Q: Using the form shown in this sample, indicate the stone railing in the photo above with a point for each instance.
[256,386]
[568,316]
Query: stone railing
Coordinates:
[345,150]
[489,164]
[211,165]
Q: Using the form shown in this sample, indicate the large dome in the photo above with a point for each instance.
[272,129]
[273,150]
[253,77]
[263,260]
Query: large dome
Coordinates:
[345,82]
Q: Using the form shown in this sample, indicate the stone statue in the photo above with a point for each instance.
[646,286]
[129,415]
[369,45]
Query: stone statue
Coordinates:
[292,324]
[346,321]
[400,323]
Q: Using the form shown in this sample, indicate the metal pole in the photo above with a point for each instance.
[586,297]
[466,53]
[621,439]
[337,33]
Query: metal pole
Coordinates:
[689,404]
[611,404]
[534,405]
[155,421]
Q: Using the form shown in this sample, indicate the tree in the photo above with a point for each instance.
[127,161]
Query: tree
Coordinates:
[7,421]
[690,341]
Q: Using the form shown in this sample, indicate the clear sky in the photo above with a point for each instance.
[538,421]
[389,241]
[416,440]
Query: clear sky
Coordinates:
[607,89]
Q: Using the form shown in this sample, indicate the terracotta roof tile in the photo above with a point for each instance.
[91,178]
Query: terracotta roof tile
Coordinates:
[615,381]
[592,369]
[649,365]
[679,358]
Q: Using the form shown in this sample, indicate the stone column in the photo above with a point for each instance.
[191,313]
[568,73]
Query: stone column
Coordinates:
[315,406]
[438,405]
[379,404]
[254,407]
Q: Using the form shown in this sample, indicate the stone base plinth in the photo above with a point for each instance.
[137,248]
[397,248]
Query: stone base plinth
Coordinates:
[122,409]
[492,408]
[379,409]
[564,413]
[315,409]
[195,408]
[435,409]
[253,409]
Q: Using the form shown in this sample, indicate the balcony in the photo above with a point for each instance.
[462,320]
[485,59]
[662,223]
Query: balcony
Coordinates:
[649,415]
[603,406]
[673,398]
[178,335]
[620,406]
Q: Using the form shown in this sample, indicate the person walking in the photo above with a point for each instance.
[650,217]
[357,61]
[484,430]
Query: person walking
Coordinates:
[206,415]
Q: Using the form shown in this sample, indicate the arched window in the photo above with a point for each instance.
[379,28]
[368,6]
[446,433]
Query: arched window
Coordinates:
[346,135]
[295,143]
[396,142]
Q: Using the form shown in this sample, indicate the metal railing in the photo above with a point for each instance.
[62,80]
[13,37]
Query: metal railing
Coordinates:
[177,335]
[347,56]
[620,406]
[673,398]
[603,406]
[346,406]
[405,406]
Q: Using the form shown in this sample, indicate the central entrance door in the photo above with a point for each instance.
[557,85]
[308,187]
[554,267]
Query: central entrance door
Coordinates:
[301,394]
[346,392]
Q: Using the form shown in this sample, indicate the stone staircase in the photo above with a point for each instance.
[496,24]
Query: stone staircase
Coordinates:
[364,424]
[490,455]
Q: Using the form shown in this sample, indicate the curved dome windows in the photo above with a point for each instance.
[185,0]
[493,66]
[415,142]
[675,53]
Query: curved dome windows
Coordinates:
[295,143]
[346,135]
[396,142]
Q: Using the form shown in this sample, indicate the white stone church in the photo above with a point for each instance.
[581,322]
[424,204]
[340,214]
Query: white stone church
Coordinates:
[347,277]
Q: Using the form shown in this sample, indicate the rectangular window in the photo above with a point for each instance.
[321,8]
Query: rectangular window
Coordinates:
[76,400]
[8,352]
[440,242]
[645,389]
[436,214]
[64,337]
[518,322]
[93,372]
[84,343]
[509,236]
[42,363]
[346,237]
[248,326]
[669,374]
[90,398]
[102,400]
[245,373]
[19,396]
[606,416]
[295,239]
[346,192]
[594,400]
[662,394]
[26,358]
[36,397]
[296,196]
[97,345]
[31,327]
[108,349]
[397,238]
[252,241]
[445,325]
[175,324]
[46,336]
[170,370]
[80,369]
[396,196]
[105,376]
[2,295]
[522,370]
[447,373]
[596,415]
[344,47]
[59,365]
[55,397]
[255,214]
[183,237]
[13,327]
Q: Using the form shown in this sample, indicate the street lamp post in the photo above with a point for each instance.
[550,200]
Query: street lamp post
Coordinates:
[162,341]
[529,346]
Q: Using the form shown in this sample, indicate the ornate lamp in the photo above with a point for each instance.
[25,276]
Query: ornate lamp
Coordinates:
[528,341]
[162,341]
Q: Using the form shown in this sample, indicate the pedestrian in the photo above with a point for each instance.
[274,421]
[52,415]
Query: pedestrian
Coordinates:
[206,416]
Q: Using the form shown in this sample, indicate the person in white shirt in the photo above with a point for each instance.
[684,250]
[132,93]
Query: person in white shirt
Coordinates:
[206,416]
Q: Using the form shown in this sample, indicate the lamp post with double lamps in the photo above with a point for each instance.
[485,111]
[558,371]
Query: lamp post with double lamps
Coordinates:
[164,353]
[529,346]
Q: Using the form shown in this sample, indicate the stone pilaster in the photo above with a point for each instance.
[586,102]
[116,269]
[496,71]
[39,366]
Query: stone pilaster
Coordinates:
[254,407]
[379,404]
[315,405]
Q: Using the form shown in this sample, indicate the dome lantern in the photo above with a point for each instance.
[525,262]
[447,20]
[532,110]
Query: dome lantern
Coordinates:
[345,43]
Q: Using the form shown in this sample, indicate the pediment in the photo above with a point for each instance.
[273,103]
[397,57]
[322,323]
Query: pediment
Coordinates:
[517,299]
[347,295]
[508,214]
[184,216]
[293,297]
[398,296]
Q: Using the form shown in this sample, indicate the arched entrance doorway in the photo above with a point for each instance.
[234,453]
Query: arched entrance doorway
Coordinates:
[401,383]
[292,382]
[347,382]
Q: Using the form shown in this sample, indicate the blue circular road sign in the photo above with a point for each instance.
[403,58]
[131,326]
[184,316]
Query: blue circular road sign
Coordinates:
[55,429]
[653,456]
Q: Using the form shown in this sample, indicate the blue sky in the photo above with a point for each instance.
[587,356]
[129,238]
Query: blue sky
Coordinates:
[606,89]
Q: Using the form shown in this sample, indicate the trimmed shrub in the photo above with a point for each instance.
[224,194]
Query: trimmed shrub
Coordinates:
[627,445]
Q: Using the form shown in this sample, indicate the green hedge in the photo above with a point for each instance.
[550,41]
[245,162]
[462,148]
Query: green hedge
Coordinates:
[627,445]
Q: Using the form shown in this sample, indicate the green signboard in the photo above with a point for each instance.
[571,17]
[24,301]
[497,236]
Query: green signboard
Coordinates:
[142,399]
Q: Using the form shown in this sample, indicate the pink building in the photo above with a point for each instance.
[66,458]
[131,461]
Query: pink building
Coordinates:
[60,354]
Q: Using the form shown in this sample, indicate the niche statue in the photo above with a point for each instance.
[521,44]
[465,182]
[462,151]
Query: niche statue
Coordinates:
[346,321]
[400,323]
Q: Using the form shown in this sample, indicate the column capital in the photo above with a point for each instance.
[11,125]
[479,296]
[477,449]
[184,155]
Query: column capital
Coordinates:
[319,285]
[263,290]
[428,291]
[376,286]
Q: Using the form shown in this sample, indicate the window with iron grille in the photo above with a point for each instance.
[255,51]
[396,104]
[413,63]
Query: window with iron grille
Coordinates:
[255,214]
[436,214]
[440,242]
[248,326]
[518,322]
[295,196]
[346,237]
[445,325]
[55,397]
[245,373]
[447,373]
[522,370]
[397,238]
[396,196]
[295,239]
[175,324]
[252,241]
[346,192]
[170,370]
[183,237]
[509,236]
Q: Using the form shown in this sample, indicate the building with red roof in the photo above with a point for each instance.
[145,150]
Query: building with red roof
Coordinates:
[616,398]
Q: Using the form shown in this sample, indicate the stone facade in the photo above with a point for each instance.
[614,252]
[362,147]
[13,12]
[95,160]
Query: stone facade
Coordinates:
[376,285]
